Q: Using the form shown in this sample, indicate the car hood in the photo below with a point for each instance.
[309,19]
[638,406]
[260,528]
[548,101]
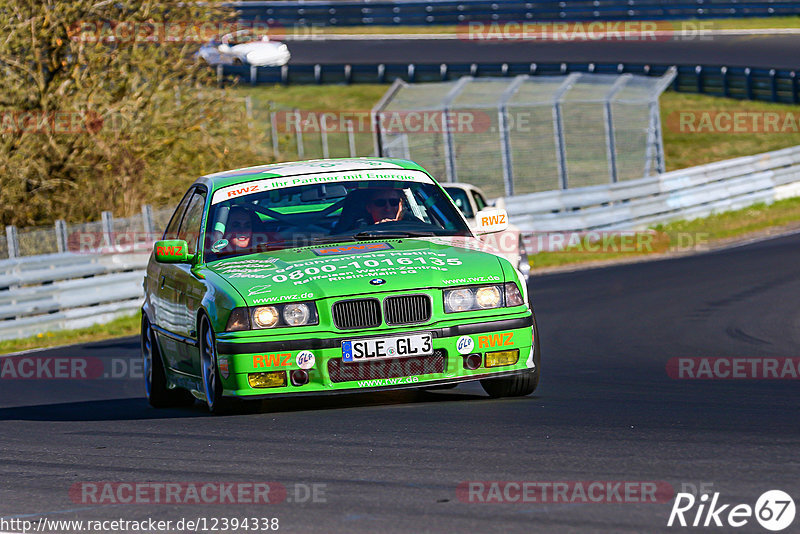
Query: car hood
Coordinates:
[348,269]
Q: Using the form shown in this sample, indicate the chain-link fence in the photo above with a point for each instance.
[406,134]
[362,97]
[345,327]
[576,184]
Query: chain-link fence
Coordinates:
[527,134]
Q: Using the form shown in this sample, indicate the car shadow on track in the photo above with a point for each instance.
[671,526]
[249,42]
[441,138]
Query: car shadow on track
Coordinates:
[131,409]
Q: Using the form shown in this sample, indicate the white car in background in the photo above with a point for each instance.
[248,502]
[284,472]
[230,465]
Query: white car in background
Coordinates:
[470,200]
[245,48]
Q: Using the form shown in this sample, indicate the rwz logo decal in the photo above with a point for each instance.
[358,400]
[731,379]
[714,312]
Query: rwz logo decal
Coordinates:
[492,220]
[272,360]
[496,340]
[170,251]
[351,249]
[243,191]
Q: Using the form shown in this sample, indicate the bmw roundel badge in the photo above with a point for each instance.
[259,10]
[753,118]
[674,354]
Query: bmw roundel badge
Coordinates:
[377,281]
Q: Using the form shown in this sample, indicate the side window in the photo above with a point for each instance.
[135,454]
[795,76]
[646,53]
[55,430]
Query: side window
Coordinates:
[479,200]
[461,200]
[174,223]
[190,226]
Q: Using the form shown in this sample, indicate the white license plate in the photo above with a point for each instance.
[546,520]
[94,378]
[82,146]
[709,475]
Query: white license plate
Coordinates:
[364,350]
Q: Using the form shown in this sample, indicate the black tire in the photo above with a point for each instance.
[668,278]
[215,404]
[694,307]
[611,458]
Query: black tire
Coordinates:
[159,395]
[212,382]
[517,385]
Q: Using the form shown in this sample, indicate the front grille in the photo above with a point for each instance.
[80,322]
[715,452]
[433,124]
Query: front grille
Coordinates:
[390,368]
[407,309]
[360,313]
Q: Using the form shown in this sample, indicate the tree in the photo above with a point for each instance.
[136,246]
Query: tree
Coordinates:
[103,106]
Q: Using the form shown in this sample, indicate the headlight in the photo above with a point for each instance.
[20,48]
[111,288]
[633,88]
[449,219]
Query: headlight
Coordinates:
[296,314]
[458,300]
[277,316]
[265,316]
[473,298]
[487,297]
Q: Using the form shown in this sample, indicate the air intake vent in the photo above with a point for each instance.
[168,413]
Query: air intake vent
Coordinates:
[361,313]
[340,371]
[407,309]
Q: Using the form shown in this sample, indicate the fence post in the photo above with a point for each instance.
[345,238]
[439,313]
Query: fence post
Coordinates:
[351,139]
[611,143]
[698,70]
[324,136]
[301,150]
[558,128]
[108,227]
[61,236]
[220,75]
[148,223]
[273,125]
[505,138]
[724,73]
[253,75]
[12,239]
[773,82]
[447,135]
[748,79]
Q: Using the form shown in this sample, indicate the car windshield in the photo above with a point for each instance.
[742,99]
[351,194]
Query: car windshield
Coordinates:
[273,214]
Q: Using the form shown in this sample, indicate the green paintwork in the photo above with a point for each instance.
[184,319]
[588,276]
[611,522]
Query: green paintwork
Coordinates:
[177,293]
[171,251]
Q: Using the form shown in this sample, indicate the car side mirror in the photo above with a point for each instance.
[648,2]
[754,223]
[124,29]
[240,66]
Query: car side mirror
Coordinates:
[224,48]
[172,251]
[491,221]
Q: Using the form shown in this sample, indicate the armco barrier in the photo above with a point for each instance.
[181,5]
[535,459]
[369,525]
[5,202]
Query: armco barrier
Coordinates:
[65,291]
[683,194]
[416,12]
[69,290]
[774,85]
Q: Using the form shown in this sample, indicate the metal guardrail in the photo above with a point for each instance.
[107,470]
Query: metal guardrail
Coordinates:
[65,291]
[774,85]
[683,194]
[416,12]
[72,290]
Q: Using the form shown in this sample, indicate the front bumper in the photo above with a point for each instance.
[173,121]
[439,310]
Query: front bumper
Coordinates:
[241,357]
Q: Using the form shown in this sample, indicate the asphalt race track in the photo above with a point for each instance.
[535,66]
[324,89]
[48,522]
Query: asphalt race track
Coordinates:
[391,462]
[764,51]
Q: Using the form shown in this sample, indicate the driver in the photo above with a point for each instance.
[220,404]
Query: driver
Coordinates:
[385,205]
[239,228]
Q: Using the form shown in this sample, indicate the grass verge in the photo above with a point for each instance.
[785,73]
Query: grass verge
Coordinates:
[680,236]
[120,327]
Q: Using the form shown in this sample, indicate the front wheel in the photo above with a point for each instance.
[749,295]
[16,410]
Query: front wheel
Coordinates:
[517,385]
[212,381]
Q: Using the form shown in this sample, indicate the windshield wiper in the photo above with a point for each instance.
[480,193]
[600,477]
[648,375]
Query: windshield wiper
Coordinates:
[275,245]
[390,234]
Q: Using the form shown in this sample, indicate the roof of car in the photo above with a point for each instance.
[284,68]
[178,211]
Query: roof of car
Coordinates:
[298,168]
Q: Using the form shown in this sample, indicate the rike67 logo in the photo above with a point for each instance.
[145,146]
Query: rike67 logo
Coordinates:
[774,510]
